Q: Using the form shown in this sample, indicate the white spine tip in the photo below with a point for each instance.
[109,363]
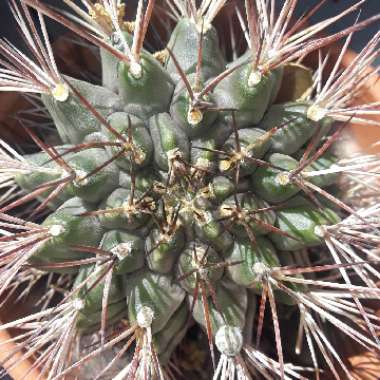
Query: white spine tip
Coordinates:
[145,317]
[61,92]
[136,70]
[316,113]
[56,230]
[272,53]
[254,78]
[229,340]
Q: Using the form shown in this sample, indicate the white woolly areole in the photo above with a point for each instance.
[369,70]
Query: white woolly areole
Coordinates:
[202,26]
[259,268]
[202,162]
[316,113]
[282,179]
[122,250]
[78,304]
[224,165]
[226,211]
[135,70]
[173,154]
[145,317]
[198,254]
[194,116]
[254,78]
[61,92]
[229,340]
[56,230]
[79,181]
[320,231]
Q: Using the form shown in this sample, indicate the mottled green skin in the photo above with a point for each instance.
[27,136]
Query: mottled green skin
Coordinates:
[157,291]
[148,95]
[180,106]
[255,142]
[265,180]
[300,223]
[132,256]
[174,218]
[183,43]
[92,294]
[244,274]
[296,129]
[71,118]
[250,102]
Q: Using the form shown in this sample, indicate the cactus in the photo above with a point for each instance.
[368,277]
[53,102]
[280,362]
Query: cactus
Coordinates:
[191,188]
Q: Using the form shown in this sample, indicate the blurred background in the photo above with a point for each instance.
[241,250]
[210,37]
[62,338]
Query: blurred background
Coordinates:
[332,7]
[370,8]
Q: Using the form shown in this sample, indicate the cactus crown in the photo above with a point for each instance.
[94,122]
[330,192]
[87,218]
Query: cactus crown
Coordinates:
[186,188]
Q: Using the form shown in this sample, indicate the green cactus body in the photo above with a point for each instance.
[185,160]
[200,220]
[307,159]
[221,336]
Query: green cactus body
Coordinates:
[163,249]
[257,223]
[120,214]
[46,171]
[110,63]
[169,140]
[128,248]
[182,189]
[211,232]
[169,337]
[137,142]
[155,291]
[302,223]
[246,273]
[185,35]
[72,119]
[68,228]
[232,307]
[180,108]
[295,126]
[91,295]
[193,258]
[254,142]
[98,184]
[148,95]
[323,163]
[271,183]
[248,92]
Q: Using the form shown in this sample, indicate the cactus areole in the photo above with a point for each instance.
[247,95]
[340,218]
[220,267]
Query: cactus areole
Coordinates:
[184,191]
